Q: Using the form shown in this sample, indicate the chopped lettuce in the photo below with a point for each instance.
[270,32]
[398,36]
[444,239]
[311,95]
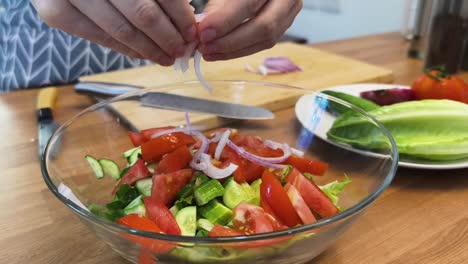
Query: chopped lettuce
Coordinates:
[334,188]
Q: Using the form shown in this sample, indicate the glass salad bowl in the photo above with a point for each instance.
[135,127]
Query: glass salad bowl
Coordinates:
[299,127]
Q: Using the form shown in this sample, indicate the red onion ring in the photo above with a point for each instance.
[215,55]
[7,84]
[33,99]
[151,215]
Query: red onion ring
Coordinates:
[196,64]
[262,161]
[215,172]
[222,143]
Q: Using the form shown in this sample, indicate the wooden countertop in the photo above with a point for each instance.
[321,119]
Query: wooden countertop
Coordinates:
[420,218]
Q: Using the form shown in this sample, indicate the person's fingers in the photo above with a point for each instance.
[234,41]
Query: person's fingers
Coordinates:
[264,30]
[75,23]
[221,20]
[238,53]
[182,16]
[147,16]
[116,25]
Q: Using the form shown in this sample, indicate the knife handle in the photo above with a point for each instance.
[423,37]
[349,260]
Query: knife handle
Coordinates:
[102,88]
[45,103]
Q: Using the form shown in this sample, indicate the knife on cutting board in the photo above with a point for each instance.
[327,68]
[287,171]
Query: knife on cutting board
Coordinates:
[177,102]
[45,119]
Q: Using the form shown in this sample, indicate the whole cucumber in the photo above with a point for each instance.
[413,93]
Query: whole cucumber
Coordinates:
[362,103]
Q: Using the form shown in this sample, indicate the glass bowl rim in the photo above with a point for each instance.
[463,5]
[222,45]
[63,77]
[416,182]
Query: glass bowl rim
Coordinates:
[113,226]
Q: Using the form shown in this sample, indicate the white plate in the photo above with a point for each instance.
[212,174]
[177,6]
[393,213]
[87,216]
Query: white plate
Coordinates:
[306,105]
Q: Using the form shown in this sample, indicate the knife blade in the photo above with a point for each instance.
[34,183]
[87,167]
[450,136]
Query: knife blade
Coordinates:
[177,102]
[45,120]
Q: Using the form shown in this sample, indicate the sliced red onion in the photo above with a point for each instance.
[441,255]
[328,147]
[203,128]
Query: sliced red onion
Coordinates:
[262,161]
[222,143]
[68,193]
[274,65]
[182,64]
[282,64]
[196,160]
[274,145]
[214,172]
[196,63]
[297,152]
[187,121]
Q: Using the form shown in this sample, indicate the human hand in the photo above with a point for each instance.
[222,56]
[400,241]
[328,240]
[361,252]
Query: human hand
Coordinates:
[232,29]
[157,30]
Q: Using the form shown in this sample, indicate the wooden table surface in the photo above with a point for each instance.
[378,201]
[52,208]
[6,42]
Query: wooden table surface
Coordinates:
[420,218]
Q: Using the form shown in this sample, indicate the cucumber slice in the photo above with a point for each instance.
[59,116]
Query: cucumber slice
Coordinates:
[186,218]
[144,186]
[204,224]
[110,168]
[134,156]
[174,209]
[139,209]
[216,212]
[208,191]
[135,207]
[256,187]
[129,152]
[202,233]
[200,179]
[235,193]
[96,166]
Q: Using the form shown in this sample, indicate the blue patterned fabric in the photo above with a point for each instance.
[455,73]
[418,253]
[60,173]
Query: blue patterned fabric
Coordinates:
[32,54]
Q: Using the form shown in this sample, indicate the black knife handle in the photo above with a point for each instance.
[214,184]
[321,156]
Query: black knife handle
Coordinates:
[44,114]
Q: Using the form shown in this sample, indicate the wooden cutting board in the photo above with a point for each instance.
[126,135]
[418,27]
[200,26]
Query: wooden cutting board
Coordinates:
[320,69]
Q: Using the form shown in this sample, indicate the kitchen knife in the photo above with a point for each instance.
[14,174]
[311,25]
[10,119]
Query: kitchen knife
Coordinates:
[177,102]
[45,121]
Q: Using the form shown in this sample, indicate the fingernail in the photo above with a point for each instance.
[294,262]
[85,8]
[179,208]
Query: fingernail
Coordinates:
[210,48]
[191,33]
[207,35]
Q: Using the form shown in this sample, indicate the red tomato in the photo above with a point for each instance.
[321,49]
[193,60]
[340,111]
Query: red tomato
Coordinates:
[222,231]
[251,219]
[154,149]
[437,84]
[312,195]
[252,171]
[267,208]
[147,133]
[230,156]
[142,223]
[316,167]
[159,214]
[166,186]
[137,172]
[174,161]
[299,204]
[137,139]
[255,146]
[274,194]
[426,87]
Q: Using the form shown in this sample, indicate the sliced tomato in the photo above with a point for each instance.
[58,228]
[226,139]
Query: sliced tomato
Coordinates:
[154,149]
[230,156]
[137,172]
[167,185]
[161,215]
[149,132]
[315,198]
[142,223]
[315,167]
[300,205]
[174,161]
[273,193]
[267,208]
[136,138]
[146,257]
[222,231]
[252,171]
[251,219]
[256,146]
